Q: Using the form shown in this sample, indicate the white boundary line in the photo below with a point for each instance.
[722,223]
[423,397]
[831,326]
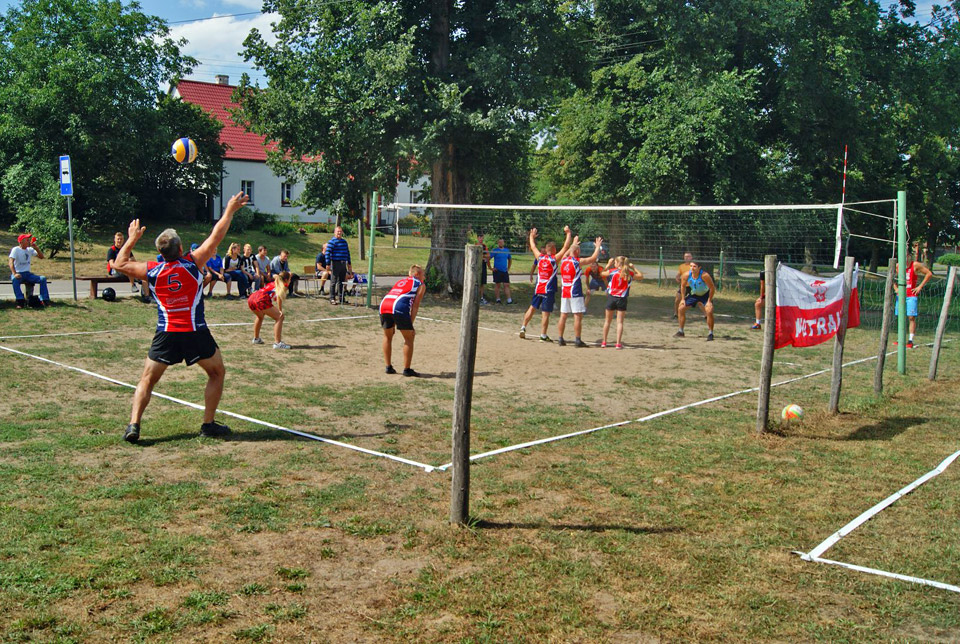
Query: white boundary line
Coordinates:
[213,324]
[658,414]
[423,466]
[829,542]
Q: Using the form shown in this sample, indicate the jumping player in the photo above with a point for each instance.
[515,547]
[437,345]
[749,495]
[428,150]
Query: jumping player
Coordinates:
[682,270]
[913,293]
[399,309]
[182,334]
[546,287]
[571,293]
[620,276]
[702,290]
[262,304]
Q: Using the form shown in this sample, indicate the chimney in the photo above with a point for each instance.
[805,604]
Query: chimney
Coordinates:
[223,79]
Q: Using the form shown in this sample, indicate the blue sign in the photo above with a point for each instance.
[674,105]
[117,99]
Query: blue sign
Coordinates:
[66,177]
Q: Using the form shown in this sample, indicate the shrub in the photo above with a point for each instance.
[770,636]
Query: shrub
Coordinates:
[243,219]
[279,229]
[261,219]
[950,259]
[436,282]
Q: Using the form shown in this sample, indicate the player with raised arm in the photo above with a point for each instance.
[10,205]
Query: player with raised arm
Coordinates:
[182,334]
[571,292]
[620,276]
[398,310]
[545,290]
[702,290]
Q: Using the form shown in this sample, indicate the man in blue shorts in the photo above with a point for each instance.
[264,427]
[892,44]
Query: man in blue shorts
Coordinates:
[913,293]
[700,295]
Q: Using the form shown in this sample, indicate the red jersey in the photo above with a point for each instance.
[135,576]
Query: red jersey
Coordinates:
[570,276]
[264,298]
[911,280]
[177,287]
[399,301]
[546,274]
[618,286]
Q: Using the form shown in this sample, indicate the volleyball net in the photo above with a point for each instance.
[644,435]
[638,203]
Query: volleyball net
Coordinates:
[802,234]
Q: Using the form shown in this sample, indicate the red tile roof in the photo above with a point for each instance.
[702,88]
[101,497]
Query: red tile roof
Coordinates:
[215,99]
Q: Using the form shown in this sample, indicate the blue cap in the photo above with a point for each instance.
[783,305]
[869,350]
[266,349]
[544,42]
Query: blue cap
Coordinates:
[194,246]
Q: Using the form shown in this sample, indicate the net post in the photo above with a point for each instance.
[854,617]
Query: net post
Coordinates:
[463,390]
[374,220]
[942,324]
[720,275]
[660,269]
[838,340]
[769,339]
[902,281]
[885,327]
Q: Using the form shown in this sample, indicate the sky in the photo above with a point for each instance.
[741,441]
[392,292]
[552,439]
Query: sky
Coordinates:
[217,41]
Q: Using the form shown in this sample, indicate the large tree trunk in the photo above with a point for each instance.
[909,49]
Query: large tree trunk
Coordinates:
[450,185]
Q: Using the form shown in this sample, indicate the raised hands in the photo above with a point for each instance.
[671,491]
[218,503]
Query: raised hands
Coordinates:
[135,231]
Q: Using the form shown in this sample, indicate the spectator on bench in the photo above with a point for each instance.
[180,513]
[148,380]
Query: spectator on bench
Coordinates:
[281,263]
[248,264]
[233,271]
[323,269]
[20,256]
[263,265]
[215,274]
[112,255]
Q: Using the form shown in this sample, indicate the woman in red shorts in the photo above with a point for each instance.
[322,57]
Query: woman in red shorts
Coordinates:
[269,301]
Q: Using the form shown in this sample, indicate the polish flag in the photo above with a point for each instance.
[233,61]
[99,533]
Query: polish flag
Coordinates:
[809,308]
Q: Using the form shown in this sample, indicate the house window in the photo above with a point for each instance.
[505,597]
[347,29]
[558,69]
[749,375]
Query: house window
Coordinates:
[286,194]
[246,187]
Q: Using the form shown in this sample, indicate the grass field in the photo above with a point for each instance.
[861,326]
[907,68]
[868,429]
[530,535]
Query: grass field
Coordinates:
[675,529]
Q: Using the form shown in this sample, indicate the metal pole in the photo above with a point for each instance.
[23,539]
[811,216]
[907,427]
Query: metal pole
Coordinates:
[885,327]
[660,269]
[838,339]
[942,324]
[463,389]
[720,276]
[902,281]
[769,340]
[73,264]
[374,216]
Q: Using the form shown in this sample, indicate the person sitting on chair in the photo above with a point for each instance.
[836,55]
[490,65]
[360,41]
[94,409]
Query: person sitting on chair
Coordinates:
[323,269]
[112,253]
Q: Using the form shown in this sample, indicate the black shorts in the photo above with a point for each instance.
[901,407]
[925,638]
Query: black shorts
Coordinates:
[402,322]
[616,303]
[170,347]
[483,272]
[501,277]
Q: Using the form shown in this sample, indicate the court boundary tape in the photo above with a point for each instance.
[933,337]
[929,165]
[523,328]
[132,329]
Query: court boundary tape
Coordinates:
[659,414]
[255,421]
[814,555]
[212,324]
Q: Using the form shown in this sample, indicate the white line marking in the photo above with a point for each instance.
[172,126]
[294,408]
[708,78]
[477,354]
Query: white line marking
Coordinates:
[57,335]
[423,466]
[884,573]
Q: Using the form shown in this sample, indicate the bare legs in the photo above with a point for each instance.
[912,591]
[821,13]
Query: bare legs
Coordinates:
[153,370]
[277,316]
[408,338]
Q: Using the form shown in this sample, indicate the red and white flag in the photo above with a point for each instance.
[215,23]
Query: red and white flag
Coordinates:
[809,308]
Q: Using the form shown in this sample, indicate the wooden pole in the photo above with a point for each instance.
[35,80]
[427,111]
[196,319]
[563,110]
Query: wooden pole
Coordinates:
[463,391]
[942,324]
[885,327]
[841,335]
[769,338]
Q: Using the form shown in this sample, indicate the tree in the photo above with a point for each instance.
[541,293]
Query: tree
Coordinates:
[356,87]
[82,77]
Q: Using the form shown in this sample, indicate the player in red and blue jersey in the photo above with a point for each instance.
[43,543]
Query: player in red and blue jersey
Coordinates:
[176,284]
[398,310]
[571,292]
[620,274]
[545,290]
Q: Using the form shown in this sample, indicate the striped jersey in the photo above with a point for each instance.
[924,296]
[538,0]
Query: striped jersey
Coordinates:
[546,274]
[617,286]
[399,301]
[177,287]
[570,277]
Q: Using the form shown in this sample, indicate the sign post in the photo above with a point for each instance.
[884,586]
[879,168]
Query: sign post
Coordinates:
[66,190]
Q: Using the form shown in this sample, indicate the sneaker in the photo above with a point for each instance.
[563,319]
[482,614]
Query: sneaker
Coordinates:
[132,433]
[561,342]
[523,330]
[909,344]
[21,304]
[678,334]
[499,302]
[231,297]
[214,430]
[483,300]
[256,341]
[410,373]
[709,337]
[133,288]
[579,343]
[390,369]
[545,338]
[509,300]
[334,302]
[756,327]
[603,345]
[619,346]
[281,345]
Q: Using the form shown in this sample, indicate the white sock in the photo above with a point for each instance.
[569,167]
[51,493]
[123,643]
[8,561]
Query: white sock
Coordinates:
[911,337]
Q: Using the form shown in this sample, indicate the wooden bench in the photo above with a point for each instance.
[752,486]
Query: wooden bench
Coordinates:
[27,288]
[103,279]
